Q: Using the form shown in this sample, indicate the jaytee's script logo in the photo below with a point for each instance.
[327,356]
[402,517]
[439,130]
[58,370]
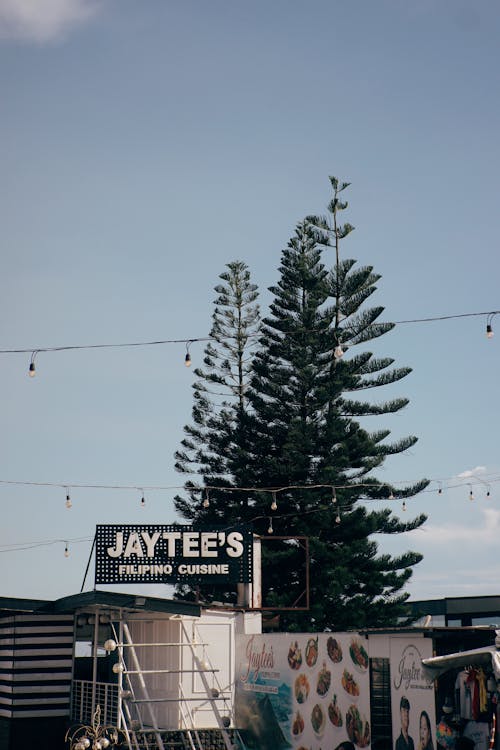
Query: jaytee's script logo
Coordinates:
[256,660]
[410,673]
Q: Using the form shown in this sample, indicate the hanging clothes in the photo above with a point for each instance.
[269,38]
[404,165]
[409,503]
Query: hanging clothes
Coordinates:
[479,733]
[463,692]
[483,692]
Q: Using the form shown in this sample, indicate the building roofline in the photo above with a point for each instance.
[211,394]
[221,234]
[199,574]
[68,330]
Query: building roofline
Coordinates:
[99,599]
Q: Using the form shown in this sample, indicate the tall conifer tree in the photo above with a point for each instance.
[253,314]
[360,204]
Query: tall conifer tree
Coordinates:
[214,442]
[305,428]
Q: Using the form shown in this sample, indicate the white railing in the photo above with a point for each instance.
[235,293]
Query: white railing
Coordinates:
[84,699]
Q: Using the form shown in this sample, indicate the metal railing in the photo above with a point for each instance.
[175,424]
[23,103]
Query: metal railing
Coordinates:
[84,699]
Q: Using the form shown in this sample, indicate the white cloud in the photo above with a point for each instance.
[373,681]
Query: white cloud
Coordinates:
[485,534]
[43,20]
[468,473]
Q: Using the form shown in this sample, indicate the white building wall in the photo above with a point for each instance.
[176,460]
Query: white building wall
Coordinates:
[179,696]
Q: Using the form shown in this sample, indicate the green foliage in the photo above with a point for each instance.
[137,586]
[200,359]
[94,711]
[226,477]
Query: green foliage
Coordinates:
[293,423]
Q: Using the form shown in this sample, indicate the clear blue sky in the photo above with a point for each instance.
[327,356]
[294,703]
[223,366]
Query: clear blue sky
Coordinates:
[143,146]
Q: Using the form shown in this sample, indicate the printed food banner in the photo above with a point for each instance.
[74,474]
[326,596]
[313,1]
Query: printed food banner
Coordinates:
[412,695]
[302,691]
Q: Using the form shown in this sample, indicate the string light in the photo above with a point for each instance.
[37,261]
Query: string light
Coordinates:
[471,494]
[403,506]
[274,504]
[68,499]
[451,483]
[338,352]
[270,529]
[489,324]
[143,500]
[206,499]
[337,517]
[32,371]
[66,550]
[391,494]
[488,493]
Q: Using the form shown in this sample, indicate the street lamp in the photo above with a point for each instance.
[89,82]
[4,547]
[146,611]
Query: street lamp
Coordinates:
[95,736]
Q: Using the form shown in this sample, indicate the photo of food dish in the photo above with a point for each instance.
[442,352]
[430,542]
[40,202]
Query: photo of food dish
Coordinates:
[301,688]
[318,720]
[311,652]
[349,684]
[358,654]
[334,713]
[324,681]
[294,656]
[297,724]
[334,650]
[358,728]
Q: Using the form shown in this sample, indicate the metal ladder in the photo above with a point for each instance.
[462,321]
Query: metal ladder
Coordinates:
[131,698]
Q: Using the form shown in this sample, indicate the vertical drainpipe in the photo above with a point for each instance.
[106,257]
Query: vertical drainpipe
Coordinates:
[94,660]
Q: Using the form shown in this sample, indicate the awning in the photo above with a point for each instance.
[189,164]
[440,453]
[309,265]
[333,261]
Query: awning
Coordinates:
[488,656]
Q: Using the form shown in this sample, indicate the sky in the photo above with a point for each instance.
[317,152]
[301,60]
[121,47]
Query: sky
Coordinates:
[145,145]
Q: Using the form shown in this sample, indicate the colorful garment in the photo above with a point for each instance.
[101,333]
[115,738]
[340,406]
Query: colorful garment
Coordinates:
[446,736]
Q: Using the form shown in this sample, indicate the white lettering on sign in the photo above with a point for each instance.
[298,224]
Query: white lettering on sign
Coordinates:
[193,544]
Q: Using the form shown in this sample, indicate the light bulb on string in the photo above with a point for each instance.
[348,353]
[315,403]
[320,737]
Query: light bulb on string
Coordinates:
[489,325]
[403,507]
[334,496]
[274,504]
[270,529]
[337,517]
[68,499]
[66,550]
[206,500]
[471,494]
[143,499]
[187,358]
[440,489]
[488,493]
[391,494]
[32,370]
[338,352]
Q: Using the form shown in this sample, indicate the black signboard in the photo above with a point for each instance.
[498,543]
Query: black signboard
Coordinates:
[150,553]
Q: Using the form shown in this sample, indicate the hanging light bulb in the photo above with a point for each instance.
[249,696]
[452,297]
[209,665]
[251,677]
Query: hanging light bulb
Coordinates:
[334,496]
[338,352]
[206,500]
[68,500]
[489,331]
[403,507]
[143,500]
[391,494]
[270,530]
[488,493]
[31,371]
[274,504]
[66,550]
[471,494]
[440,490]
[187,358]
[337,517]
